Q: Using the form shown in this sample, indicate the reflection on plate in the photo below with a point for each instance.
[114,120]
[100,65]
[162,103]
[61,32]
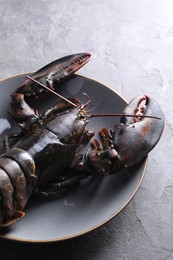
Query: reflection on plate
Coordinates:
[95,200]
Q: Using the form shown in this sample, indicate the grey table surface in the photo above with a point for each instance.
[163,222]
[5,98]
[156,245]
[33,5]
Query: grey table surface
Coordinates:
[132,47]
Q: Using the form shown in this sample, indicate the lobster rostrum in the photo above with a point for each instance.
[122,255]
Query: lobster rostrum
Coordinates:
[45,159]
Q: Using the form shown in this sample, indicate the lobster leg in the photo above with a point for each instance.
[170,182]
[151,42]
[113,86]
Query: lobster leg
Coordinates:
[26,116]
[22,112]
[7,138]
[103,153]
[99,158]
[62,184]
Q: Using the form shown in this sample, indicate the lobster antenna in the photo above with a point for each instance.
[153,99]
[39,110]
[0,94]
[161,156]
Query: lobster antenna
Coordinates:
[51,90]
[123,115]
[94,115]
[88,101]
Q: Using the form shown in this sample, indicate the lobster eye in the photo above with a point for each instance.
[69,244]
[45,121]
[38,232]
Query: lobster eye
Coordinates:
[81,116]
[123,119]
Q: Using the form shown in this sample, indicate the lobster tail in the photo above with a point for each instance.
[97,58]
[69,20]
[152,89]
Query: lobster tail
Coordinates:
[15,185]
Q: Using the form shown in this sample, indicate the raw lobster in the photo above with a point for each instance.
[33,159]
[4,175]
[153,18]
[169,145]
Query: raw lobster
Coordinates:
[45,159]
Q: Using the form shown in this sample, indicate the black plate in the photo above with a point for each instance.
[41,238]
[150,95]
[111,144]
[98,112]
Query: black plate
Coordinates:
[94,201]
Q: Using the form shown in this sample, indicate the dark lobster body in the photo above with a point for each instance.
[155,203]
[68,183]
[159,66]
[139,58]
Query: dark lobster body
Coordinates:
[40,157]
[46,158]
[53,145]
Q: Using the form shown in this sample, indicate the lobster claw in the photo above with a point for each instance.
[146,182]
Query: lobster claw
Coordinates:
[129,142]
[135,137]
[53,73]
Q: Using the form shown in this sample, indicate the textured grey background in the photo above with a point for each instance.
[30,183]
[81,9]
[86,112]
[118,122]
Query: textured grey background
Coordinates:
[132,47]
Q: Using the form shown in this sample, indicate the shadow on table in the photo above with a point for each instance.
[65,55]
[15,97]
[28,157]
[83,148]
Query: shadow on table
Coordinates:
[88,246]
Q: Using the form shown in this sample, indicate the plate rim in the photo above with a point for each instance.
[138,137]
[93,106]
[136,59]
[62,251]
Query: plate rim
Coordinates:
[100,224]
